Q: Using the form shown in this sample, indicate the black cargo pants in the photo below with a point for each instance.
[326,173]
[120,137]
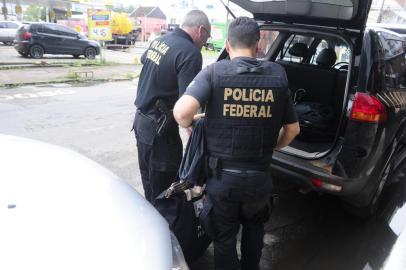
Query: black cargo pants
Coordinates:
[159,157]
[234,199]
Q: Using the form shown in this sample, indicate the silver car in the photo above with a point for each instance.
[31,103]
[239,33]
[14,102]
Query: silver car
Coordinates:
[59,210]
[8,30]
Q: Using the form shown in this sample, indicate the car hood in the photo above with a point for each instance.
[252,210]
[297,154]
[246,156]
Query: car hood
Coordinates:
[59,210]
[349,14]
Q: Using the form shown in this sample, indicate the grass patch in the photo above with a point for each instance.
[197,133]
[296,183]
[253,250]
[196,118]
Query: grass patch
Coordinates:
[132,75]
[95,62]
[72,75]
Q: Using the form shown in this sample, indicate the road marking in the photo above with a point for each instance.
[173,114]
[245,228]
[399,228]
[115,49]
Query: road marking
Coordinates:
[36,95]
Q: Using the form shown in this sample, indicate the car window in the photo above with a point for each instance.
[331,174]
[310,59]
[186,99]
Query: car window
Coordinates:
[12,25]
[285,55]
[31,27]
[322,45]
[342,51]
[65,31]
[267,38]
[393,45]
[2,25]
[395,61]
[48,29]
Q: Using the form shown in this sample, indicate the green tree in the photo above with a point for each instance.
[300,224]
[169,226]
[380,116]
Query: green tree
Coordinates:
[34,14]
[130,9]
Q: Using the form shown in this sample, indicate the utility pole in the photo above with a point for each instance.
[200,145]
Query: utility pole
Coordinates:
[4,10]
[380,15]
[228,13]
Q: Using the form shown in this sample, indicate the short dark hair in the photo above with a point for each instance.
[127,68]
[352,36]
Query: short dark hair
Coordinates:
[243,32]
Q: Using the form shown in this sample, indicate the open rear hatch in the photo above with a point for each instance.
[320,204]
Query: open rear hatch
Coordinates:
[348,14]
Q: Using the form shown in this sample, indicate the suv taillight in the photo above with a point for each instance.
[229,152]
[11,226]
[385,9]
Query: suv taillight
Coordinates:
[27,35]
[367,108]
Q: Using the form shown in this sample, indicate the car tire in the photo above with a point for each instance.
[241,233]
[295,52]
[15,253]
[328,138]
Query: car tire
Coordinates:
[8,43]
[36,51]
[90,53]
[76,56]
[388,176]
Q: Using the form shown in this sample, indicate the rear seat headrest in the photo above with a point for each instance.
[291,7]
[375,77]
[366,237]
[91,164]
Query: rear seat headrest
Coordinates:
[299,50]
[326,58]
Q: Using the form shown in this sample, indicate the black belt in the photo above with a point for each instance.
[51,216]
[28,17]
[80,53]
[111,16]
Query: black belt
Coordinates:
[247,172]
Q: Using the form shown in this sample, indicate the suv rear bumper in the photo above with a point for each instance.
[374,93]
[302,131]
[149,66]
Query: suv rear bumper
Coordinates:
[22,46]
[303,171]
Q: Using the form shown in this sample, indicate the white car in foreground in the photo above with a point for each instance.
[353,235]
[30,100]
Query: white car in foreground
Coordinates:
[59,210]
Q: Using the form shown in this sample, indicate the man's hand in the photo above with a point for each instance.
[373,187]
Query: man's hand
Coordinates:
[198,116]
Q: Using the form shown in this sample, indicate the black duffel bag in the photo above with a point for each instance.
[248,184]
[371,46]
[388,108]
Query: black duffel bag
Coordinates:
[316,120]
[181,208]
[182,203]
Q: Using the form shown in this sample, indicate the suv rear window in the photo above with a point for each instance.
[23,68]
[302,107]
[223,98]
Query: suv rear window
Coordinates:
[2,25]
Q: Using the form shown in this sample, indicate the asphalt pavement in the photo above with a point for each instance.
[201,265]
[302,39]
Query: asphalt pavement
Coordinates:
[306,231]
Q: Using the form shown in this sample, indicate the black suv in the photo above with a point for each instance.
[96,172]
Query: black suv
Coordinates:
[348,83]
[38,39]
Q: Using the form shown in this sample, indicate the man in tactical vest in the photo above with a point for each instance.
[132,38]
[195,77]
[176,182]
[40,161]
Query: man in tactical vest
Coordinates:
[169,65]
[249,114]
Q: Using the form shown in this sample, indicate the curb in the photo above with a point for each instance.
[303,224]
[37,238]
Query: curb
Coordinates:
[14,85]
[67,65]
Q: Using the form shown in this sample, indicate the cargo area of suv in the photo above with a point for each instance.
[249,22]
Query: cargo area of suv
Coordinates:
[317,66]
[348,85]
[322,69]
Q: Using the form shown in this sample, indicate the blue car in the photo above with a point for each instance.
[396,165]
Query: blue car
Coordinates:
[37,39]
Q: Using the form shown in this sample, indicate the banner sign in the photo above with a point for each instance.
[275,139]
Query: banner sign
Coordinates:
[99,22]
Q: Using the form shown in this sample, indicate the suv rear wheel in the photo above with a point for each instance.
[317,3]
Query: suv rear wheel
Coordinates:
[36,51]
[389,177]
[90,53]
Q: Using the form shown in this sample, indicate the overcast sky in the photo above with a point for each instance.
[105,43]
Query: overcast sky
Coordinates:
[218,13]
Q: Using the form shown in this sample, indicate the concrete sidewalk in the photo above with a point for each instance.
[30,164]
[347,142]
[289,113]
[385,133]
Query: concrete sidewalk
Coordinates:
[66,74]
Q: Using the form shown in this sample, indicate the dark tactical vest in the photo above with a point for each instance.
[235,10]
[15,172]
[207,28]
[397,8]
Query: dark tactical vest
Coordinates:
[245,110]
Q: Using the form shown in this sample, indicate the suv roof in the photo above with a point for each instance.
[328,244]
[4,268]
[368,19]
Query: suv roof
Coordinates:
[350,14]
